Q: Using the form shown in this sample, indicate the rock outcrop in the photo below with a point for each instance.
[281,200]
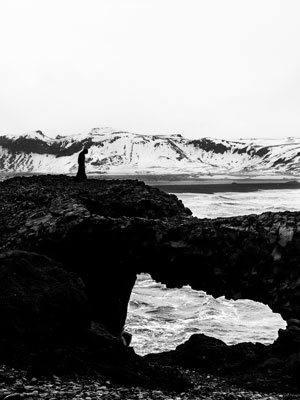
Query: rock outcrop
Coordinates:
[39,302]
[106,232]
[101,230]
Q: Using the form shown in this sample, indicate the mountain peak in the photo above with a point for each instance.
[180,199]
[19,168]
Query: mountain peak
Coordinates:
[102,131]
[35,135]
[38,134]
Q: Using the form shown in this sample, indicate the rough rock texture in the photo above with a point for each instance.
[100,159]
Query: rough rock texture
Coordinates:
[98,229]
[108,231]
[39,302]
[254,257]
[46,327]
[253,365]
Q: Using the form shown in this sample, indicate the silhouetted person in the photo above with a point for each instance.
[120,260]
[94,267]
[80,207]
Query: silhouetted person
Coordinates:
[81,175]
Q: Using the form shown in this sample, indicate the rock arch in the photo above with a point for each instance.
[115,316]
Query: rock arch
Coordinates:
[108,231]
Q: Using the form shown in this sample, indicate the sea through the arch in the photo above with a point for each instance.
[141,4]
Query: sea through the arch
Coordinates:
[161,318]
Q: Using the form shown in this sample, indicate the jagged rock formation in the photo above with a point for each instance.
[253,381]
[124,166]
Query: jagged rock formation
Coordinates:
[112,151]
[97,229]
[108,231]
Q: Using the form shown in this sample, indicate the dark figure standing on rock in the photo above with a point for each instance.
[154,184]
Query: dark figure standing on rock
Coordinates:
[81,175]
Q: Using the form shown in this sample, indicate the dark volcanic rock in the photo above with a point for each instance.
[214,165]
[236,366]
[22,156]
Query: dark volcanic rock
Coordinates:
[209,354]
[242,363]
[93,228]
[101,353]
[108,231]
[257,366]
[46,327]
[40,302]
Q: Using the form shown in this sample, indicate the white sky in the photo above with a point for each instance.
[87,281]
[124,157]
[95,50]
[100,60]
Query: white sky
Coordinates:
[220,68]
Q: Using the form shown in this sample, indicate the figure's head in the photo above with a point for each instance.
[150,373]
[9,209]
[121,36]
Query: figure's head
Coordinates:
[85,151]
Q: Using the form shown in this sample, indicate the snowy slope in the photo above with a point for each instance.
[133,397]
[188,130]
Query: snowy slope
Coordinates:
[115,152]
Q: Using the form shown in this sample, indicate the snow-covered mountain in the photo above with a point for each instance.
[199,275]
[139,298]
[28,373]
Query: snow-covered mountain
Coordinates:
[117,152]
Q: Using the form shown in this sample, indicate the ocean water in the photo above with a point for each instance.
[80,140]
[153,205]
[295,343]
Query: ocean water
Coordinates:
[227,204]
[161,318]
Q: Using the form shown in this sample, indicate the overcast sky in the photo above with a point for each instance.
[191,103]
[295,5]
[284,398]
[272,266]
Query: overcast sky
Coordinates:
[219,68]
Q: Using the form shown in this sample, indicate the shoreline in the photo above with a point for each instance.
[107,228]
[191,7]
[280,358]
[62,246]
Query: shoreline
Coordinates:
[210,188]
[181,183]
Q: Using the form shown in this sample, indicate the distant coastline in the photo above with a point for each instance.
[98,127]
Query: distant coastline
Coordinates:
[216,187]
[182,183]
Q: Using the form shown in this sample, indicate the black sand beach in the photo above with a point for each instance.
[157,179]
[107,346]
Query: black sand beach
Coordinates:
[181,183]
[210,187]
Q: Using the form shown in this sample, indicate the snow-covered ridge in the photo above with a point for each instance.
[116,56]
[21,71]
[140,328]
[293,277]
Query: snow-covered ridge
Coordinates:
[114,151]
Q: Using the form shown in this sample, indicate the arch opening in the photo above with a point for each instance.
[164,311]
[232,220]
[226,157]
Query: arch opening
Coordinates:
[160,318]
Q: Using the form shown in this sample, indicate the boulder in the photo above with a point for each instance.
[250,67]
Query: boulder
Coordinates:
[272,367]
[212,355]
[41,304]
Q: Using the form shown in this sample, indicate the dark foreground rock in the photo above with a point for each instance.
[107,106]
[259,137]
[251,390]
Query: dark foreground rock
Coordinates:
[40,302]
[252,365]
[97,229]
[46,328]
[15,384]
[106,232]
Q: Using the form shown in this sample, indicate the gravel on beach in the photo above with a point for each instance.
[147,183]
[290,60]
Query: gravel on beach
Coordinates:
[15,386]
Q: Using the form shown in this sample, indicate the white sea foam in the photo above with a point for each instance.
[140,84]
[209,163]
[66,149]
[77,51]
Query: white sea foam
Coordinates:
[228,204]
[160,318]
